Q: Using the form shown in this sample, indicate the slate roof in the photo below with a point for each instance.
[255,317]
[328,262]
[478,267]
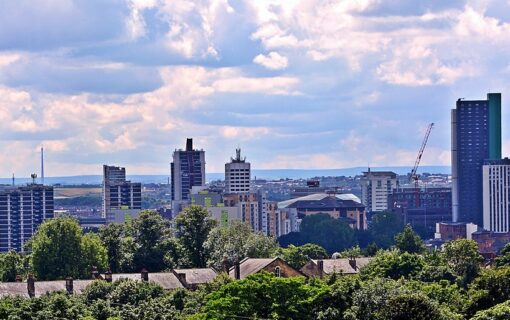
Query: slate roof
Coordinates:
[250,266]
[343,265]
[167,280]
[198,276]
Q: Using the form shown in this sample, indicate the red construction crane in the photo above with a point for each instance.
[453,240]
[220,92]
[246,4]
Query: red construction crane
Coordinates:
[414,176]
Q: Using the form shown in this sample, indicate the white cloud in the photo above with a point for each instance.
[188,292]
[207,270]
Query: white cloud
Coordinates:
[273,61]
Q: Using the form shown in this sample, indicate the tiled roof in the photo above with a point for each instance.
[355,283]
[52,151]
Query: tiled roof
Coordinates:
[198,276]
[250,266]
[343,265]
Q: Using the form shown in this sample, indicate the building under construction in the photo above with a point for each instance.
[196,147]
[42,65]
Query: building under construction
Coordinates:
[422,208]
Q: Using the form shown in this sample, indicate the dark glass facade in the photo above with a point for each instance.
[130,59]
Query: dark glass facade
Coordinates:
[187,171]
[476,137]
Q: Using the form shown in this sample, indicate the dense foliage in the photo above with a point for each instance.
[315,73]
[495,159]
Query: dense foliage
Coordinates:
[404,281]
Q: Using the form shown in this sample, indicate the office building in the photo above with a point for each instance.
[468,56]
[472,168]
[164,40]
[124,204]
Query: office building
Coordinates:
[187,171]
[121,198]
[496,198]
[422,208]
[376,186]
[476,137]
[345,207]
[22,210]
[237,175]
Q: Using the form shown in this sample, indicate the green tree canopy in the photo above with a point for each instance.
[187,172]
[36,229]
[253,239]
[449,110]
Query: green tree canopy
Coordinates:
[383,228]
[298,256]
[57,250]
[193,225]
[393,264]
[227,245]
[93,253]
[503,258]
[498,312]
[464,259]
[111,235]
[265,296]
[323,230]
[409,241]
[11,265]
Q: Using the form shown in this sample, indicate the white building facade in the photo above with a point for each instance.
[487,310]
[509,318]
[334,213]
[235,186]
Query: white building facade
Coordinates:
[496,198]
[376,186]
[237,175]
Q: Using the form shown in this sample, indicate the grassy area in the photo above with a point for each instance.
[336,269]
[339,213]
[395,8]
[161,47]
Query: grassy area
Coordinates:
[61,192]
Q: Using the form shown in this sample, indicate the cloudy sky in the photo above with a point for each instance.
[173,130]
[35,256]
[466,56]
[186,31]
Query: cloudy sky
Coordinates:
[294,83]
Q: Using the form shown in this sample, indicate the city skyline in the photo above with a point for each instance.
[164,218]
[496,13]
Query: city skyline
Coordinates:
[297,84]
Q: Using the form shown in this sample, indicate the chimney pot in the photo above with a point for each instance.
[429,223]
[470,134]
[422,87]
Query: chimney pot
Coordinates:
[145,274]
[320,266]
[237,270]
[108,276]
[31,286]
[69,285]
[19,278]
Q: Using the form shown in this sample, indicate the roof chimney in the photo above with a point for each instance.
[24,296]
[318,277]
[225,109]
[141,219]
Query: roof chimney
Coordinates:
[69,285]
[108,276]
[95,273]
[320,267]
[189,144]
[19,278]
[144,274]
[237,270]
[182,279]
[31,286]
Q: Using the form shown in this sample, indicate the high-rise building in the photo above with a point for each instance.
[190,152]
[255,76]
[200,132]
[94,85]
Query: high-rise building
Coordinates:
[187,171]
[22,210]
[120,197]
[237,175]
[476,137]
[496,195]
[376,186]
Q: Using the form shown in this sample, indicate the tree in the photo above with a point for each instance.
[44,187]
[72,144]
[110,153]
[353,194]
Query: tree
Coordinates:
[93,253]
[409,241]
[11,265]
[227,245]
[265,296]
[393,264]
[410,306]
[297,257]
[193,225]
[371,249]
[150,233]
[464,259]
[351,253]
[57,250]
[498,312]
[323,230]
[111,235]
[385,225]
[492,286]
[503,258]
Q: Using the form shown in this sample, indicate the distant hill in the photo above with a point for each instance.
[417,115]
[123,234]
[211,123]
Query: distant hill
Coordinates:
[269,174]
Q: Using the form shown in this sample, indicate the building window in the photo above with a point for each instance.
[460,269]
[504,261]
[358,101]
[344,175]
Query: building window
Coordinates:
[278,272]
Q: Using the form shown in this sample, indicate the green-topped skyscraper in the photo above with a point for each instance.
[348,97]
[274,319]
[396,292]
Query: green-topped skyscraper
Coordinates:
[476,137]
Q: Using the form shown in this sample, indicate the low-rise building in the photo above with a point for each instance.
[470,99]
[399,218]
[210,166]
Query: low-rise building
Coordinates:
[249,266]
[326,267]
[346,207]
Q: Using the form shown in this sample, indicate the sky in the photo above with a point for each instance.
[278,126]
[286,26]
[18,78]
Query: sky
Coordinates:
[294,83]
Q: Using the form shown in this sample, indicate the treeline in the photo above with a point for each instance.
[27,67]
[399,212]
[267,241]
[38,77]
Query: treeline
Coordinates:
[404,282]
[60,249]
[335,235]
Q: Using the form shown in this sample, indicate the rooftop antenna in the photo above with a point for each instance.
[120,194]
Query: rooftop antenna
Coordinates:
[33,176]
[42,165]
[13,180]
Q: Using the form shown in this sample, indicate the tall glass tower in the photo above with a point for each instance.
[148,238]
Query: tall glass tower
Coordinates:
[476,137]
